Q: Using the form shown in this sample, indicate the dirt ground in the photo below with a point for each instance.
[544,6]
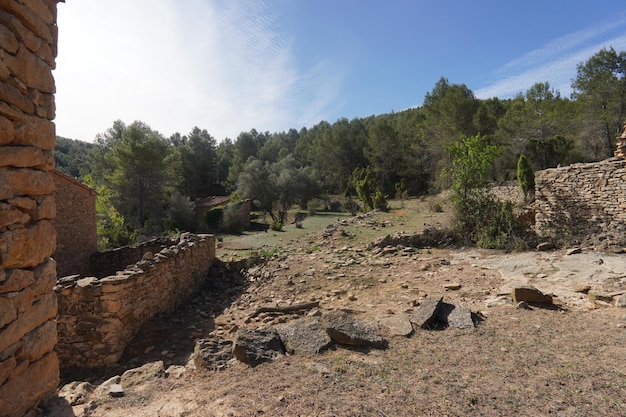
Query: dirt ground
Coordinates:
[563,360]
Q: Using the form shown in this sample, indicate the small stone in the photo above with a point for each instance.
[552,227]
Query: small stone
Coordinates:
[582,288]
[452,286]
[620,301]
[116,390]
[530,294]
[573,251]
[545,246]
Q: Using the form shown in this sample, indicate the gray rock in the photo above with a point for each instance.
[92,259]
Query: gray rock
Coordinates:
[545,246]
[304,336]
[573,251]
[344,329]
[426,313]
[77,392]
[257,346]
[620,301]
[116,391]
[456,316]
[145,373]
[213,355]
[398,325]
[530,294]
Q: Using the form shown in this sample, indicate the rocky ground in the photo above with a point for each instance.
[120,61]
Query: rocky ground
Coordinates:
[564,358]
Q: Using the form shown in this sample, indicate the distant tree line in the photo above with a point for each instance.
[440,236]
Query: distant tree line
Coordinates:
[152,181]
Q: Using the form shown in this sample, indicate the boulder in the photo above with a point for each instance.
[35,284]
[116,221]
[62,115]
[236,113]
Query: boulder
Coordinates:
[76,392]
[398,324]
[344,329]
[530,294]
[145,373]
[426,313]
[255,346]
[456,316]
[213,355]
[304,336]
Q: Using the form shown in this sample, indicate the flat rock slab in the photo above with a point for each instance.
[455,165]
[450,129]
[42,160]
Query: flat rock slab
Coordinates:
[213,355]
[455,316]
[145,373]
[304,337]
[530,294]
[398,325]
[346,330]
[255,346]
[425,315]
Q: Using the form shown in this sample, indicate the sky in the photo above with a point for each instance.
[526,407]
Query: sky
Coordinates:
[230,66]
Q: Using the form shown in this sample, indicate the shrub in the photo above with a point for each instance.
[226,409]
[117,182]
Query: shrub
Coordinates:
[276,226]
[525,176]
[379,201]
[231,220]
[351,205]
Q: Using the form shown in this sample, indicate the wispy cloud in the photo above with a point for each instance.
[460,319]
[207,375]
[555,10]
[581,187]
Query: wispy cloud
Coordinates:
[556,61]
[222,65]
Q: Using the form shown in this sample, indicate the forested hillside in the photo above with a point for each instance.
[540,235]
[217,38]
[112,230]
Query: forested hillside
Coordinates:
[150,181]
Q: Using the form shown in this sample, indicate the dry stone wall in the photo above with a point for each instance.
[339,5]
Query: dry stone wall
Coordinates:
[29,370]
[582,200]
[99,316]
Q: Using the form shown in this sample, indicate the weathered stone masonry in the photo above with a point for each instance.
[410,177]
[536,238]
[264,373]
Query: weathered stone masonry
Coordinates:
[582,199]
[28,306]
[99,316]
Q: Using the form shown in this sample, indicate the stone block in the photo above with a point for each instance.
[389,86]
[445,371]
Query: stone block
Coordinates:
[32,130]
[25,157]
[6,368]
[11,95]
[8,312]
[10,216]
[16,279]
[27,247]
[37,381]
[8,133]
[38,342]
[29,182]
[44,310]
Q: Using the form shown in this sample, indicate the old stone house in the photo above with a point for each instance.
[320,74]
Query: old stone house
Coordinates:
[75,224]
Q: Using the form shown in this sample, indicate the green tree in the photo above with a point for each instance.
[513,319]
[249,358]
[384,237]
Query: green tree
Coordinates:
[600,86]
[141,169]
[472,157]
[525,176]
[198,162]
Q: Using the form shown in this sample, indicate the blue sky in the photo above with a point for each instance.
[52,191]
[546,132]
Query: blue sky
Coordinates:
[232,65]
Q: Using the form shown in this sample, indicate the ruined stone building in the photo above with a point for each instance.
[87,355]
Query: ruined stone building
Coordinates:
[75,224]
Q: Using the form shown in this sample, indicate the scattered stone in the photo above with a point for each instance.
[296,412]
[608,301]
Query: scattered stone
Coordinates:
[620,301]
[545,246]
[344,329]
[573,251]
[426,314]
[77,392]
[456,316]
[498,301]
[595,296]
[253,347]
[145,373]
[116,391]
[175,371]
[530,294]
[103,389]
[452,286]
[304,336]
[213,355]
[399,324]
[582,288]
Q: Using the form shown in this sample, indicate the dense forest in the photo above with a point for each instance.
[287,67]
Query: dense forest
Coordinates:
[147,182]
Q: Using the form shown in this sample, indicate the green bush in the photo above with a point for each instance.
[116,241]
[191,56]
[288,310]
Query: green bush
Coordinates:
[231,220]
[525,176]
[379,201]
[276,226]
[351,206]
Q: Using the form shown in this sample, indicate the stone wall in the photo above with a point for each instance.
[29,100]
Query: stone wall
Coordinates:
[75,224]
[29,369]
[582,199]
[99,316]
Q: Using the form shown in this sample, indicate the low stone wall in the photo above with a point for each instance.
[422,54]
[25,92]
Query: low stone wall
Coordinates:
[581,199]
[99,316]
[108,263]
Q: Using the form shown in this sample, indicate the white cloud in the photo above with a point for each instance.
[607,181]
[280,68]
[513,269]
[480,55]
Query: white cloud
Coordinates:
[220,65]
[555,62]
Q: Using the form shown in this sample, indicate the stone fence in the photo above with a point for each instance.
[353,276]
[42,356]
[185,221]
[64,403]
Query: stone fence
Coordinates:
[98,316]
[582,199]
